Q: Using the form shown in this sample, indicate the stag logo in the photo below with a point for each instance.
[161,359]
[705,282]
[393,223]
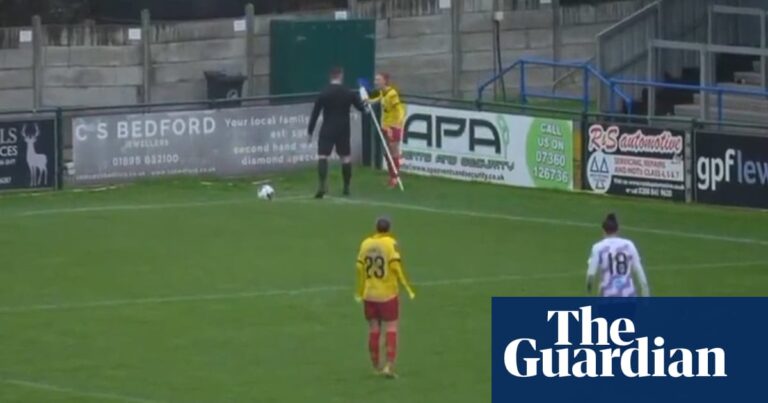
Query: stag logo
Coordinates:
[37,163]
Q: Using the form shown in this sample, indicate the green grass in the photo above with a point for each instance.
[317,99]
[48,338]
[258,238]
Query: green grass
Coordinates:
[561,104]
[557,108]
[181,292]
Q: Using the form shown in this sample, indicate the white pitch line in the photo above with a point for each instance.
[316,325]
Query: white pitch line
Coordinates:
[127,207]
[160,206]
[542,220]
[516,277]
[332,288]
[178,298]
[75,392]
[403,206]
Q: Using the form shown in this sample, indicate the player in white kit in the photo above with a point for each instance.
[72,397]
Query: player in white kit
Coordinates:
[616,262]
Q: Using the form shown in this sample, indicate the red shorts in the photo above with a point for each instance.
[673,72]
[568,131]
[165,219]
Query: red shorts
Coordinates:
[386,311]
[394,134]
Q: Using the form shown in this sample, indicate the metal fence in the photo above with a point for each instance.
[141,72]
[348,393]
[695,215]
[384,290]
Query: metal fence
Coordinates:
[42,142]
[664,158]
[622,50]
[630,49]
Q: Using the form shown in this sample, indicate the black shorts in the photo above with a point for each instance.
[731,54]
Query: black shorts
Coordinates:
[326,145]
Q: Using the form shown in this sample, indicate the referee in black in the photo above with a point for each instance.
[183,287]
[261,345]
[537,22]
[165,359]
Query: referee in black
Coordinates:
[334,102]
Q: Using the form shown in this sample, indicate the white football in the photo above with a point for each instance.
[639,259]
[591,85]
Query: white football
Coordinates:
[266,192]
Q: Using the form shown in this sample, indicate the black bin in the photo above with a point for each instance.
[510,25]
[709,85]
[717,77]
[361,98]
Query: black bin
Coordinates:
[225,86]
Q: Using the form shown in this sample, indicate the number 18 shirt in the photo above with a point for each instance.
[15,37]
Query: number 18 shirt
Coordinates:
[379,270]
[616,261]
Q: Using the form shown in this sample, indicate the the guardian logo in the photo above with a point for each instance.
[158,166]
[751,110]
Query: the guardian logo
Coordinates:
[600,348]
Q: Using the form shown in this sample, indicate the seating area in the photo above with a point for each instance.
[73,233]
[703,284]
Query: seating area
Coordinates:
[735,107]
[690,54]
[716,58]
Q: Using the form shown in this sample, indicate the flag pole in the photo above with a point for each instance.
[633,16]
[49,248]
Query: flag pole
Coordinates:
[364,97]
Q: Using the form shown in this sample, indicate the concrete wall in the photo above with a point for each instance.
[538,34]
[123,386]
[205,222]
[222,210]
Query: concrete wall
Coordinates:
[566,33]
[416,51]
[16,76]
[77,65]
[523,34]
[101,65]
[16,79]
[78,75]
[260,52]
[428,50]
[182,52]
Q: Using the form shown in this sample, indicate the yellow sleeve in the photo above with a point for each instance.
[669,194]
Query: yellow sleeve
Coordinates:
[375,96]
[397,266]
[399,108]
[360,271]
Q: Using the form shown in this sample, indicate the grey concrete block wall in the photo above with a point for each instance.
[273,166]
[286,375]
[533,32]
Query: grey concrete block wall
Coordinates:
[530,34]
[190,51]
[523,34]
[75,76]
[396,8]
[20,58]
[178,91]
[600,13]
[261,84]
[91,75]
[76,70]
[478,5]
[428,63]
[578,51]
[168,73]
[90,96]
[16,79]
[87,35]
[16,99]
[101,65]
[183,52]
[261,54]
[193,31]
[406,46]
[92,55]
[414,26]
[416,51]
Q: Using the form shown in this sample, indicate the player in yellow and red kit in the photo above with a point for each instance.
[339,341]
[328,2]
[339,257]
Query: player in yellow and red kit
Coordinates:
[379,274]
[392,119]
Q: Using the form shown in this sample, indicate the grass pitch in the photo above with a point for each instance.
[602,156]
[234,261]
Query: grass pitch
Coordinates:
[182,291]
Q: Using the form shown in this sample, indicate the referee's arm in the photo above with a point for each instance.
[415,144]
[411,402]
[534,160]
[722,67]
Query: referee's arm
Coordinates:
[357,102]
[315,115]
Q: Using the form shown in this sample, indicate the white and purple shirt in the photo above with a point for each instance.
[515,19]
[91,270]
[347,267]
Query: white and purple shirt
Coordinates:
[616,261]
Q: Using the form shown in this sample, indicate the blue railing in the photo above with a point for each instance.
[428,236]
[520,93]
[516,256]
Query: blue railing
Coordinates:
[614,84]
[587,69]
[719,91]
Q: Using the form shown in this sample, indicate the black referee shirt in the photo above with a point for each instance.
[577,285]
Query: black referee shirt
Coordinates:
[334,101]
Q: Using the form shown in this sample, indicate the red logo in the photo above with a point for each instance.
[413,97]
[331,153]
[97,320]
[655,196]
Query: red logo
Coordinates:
[611,139]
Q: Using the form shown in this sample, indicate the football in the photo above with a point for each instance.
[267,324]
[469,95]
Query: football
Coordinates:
[266,192]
